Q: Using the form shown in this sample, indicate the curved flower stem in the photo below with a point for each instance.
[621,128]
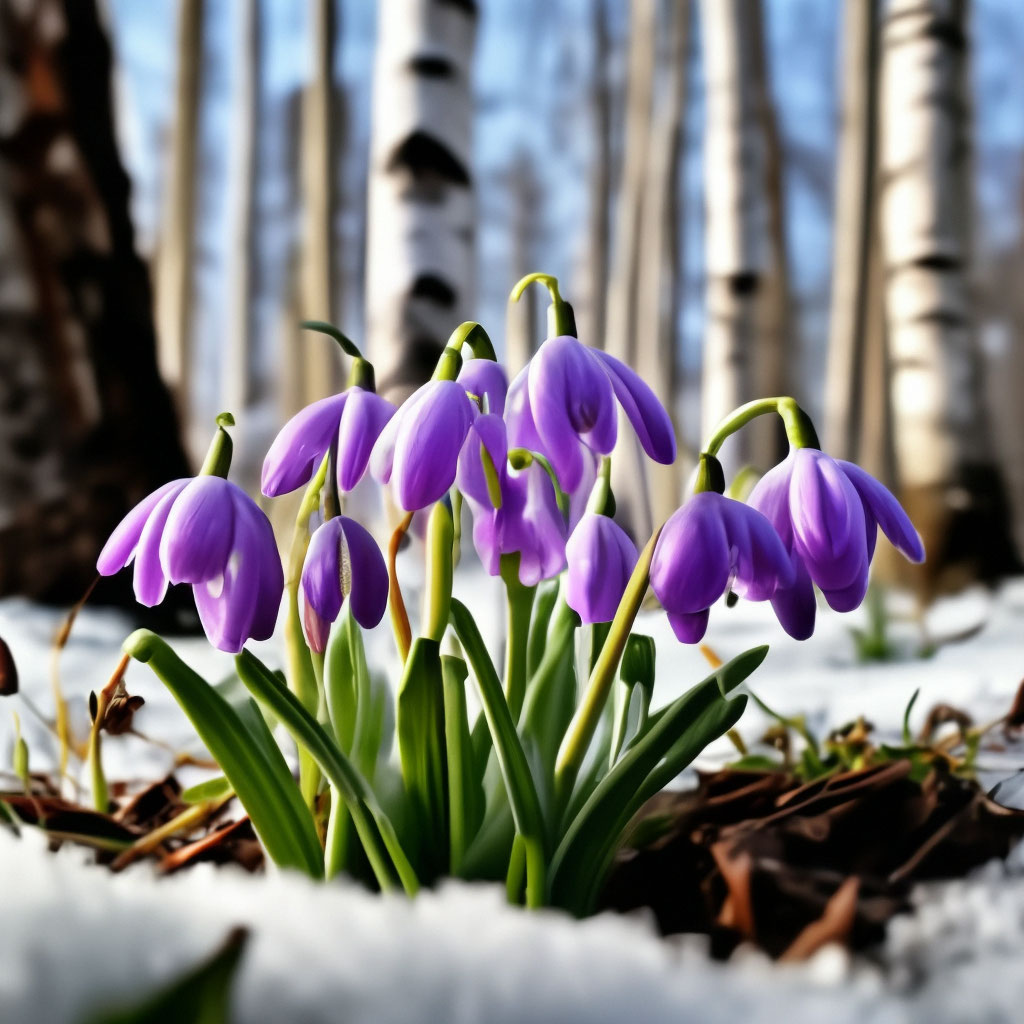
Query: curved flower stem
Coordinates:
[301,673]
[799,429]
[520,609]
[588,714]
[520,458]
[562,319]
[396,603]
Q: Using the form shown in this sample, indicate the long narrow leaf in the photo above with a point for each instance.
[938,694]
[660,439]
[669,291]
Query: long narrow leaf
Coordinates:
[372,824]
[515,770]
[465,791]
[247,755]
[684,728]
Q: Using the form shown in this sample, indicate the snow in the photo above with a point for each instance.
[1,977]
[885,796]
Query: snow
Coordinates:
[324,953]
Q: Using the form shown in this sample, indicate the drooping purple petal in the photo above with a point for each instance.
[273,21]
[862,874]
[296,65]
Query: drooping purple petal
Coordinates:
[428,441]
[150,580]
[691,564]
[689,627]
[519,421]
[760,561]
[845,599]
[197,538]
[486,434]
[601,559]
[120,547]
[887,511]
[571,399]
[368,596]
[321,571]
[645,412]
[301,445]
[828,520]
[243,601]
[485,379]
[363,418]
[770,496]
[794,606]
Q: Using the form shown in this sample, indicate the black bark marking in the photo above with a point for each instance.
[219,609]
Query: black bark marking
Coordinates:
[424,156]
[432,67]
[433,288]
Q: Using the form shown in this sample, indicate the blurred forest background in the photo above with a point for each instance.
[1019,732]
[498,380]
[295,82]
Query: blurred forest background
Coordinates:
[740,197]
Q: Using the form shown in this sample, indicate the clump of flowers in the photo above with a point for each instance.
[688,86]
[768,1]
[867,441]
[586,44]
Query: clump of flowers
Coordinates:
[537,789]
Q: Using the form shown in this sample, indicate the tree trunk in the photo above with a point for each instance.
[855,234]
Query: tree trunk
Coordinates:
[777,344]
[590,312]
[420,229]
[174,267]
[322,362]
[86,425]
[855,226]
[944,457]
[660,253]
[736,218]
[237,370]
[521,316]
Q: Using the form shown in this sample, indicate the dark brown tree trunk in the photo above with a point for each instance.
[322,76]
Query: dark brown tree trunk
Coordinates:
[86,424]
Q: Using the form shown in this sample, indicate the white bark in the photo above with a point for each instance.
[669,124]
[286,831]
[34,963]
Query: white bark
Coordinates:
[420,207]
[322,362]
[925,146]
[175,254]
[237,368]
[736,236]
[854,228]
[660,254]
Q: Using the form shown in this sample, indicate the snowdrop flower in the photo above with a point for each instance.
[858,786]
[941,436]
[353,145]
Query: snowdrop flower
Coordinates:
[485,379]
[208,532]
[342,563]
[601,559]
[827,513]
[709,546]
[354,419]
[418,451]
[567,394]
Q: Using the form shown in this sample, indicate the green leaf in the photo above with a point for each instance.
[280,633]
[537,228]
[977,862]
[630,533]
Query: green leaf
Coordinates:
[212,789]
[908,736]
[515,770]
[376,832]
[677,735]
[551,694]
[465,789]
[420,727]
[543,607]
[200,996]
[246,753]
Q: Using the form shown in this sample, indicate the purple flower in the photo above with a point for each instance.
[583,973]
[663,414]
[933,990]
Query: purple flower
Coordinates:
[529,521]
[208,532]
[827,513]
[601,559]
[567,395]
[485,379]
[342,563]
[355,418]
[710,545]
[418,451]
[486,435]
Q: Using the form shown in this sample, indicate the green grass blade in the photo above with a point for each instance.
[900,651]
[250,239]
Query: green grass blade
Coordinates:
[246,753]
[376,832]
[465,788]
[515,770]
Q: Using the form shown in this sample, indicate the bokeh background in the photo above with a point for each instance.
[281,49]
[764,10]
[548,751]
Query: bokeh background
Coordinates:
[740,197]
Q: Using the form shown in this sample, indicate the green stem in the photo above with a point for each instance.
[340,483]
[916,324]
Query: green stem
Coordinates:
[520,608]
[799,428]
[562,320]
[520,458]
[438,589]
[218,457]
[588,714]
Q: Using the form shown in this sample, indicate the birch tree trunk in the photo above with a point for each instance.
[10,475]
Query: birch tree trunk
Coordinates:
[944,455]
[736,217]
[87,428]
[237,368]
[420,263]
[521,316]
[322,363]
[777,344]
[855,226]
[591,311]
[660,254]
[174,265]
